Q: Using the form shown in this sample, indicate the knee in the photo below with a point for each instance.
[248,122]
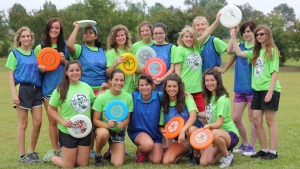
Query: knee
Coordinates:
[167,161]
[147,146]
[270,122]
[23,125]
[52,122]
[102,134]
[156,161]
[37,124]
[117,163]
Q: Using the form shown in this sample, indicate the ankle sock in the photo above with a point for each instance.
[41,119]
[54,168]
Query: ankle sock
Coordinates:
[265,150]
[273,151]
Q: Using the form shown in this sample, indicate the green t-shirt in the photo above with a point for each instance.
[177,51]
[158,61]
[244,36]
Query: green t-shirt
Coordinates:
[102,101]
[262,71]
[11,62]
[78,101]
[190,104]
[219,45]
[191,68]
[111,57]
[221,108]
[78,49]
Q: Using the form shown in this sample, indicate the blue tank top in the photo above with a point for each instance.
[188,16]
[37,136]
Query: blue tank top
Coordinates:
[145,116]
[51,79]
[163,52]
[27,70]
[93,66]
[210,57]
[242,78]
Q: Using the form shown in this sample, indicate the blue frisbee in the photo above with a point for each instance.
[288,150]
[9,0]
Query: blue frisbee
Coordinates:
[116,110]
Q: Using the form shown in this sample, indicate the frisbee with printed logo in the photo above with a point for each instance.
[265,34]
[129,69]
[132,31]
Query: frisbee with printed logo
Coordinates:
[174,126]
[48,57]
[86,23]
[231,16]
[82,126]
[129,65]
[156,67]
[116,110]
[201,138]
[143,54]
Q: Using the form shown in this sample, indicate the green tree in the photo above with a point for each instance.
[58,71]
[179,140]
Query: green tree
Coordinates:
[249,13]
[18,17]
[6,38]
[287,12]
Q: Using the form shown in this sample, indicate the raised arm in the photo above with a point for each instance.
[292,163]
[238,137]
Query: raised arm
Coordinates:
[235,45]
[211,29]
[72,39]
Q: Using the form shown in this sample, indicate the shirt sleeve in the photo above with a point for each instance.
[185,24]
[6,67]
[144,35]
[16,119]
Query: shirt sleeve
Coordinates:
[11,62]
[220,45]
[37,49]
[173,53]
[274,63]
[162,118]
[190,104]
[54,100]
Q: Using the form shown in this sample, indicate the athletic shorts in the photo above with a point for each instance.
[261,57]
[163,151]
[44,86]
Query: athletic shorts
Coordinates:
[46,97]
[68,141]
[258,102]
[132,136]
[117,137]
[199,100]
[234,140]
[241,97]
[30,96]
[96,92]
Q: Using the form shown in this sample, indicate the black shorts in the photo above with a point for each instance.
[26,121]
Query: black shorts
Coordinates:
[30,96]
[117,137]
[68,141]
[258,102]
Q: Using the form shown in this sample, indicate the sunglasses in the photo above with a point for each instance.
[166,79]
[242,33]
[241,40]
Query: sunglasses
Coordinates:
[260,34]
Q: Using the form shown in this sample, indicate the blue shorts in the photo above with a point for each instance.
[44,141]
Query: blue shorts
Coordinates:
[132,136]
[241,97]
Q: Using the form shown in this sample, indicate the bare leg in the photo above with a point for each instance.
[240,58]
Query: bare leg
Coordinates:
[53,130]
[36,114]
[273,128]
[22,125]
[237,117]
[259,128]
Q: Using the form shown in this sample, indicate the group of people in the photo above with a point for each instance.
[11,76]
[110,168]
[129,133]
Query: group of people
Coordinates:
[88,78]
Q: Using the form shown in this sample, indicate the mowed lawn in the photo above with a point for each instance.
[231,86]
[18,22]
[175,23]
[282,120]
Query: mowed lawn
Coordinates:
[287,119]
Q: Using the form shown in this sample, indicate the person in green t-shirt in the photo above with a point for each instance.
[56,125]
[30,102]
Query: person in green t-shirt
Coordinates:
[118,43]
[265,67]
[74,98]
[218,110]
[110,130]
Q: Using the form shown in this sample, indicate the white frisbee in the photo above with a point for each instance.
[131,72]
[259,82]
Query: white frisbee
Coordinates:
[143,54]
[82,126]
[231,16]
[86,23]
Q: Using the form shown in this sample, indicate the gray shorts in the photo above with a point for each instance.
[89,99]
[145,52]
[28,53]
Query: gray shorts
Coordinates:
[117,137]
[30,96]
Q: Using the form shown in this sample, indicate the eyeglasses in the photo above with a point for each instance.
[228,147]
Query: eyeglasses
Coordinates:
[158,33]
[260,34]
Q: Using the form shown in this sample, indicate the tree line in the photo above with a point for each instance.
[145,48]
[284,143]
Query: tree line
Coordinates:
[108,13]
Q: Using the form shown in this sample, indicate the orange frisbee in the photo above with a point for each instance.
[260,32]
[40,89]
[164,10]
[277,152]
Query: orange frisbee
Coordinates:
[48,57]
[201,138]
[174,126]
[130,64]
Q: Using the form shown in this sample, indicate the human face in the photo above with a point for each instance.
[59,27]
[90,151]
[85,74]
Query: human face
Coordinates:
[261,36]
[211,83]
[25,38]
[172,89]
[74,73]
[200,26]
[144,87]
[145,32]
[248,35]
[121,37]
[89,35]
[117,82]
[159,35]
[188,39]
[54,30]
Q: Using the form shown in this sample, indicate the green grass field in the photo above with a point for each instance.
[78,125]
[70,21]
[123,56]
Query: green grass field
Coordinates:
[287,120]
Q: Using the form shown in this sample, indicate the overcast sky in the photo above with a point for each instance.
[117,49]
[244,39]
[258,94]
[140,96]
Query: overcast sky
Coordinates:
[265,6]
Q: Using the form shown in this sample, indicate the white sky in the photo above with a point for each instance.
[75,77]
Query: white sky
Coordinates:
[265,6]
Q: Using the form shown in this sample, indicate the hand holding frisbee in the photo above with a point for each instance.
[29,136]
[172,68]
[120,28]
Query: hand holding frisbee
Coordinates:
[82,126]
[201,138]
[156,67]
[116,110]
[86,23]
[48,57]
[231,16]
[129,65]
[174,126]
[143,54]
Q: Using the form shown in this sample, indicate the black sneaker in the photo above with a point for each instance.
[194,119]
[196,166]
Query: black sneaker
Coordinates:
[261,154]
[107,155]
[270,156]
[98,160]
[195,161]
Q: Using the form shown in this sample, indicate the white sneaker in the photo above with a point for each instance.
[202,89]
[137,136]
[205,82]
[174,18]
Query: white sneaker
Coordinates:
[226,161]
[249,151]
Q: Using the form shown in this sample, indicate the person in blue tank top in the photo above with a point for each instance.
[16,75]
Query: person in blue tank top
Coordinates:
[212,48]
[243,90]
[92,59]
[54,38]
[25,84]
[143,128]
[175,102]
[164,50]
